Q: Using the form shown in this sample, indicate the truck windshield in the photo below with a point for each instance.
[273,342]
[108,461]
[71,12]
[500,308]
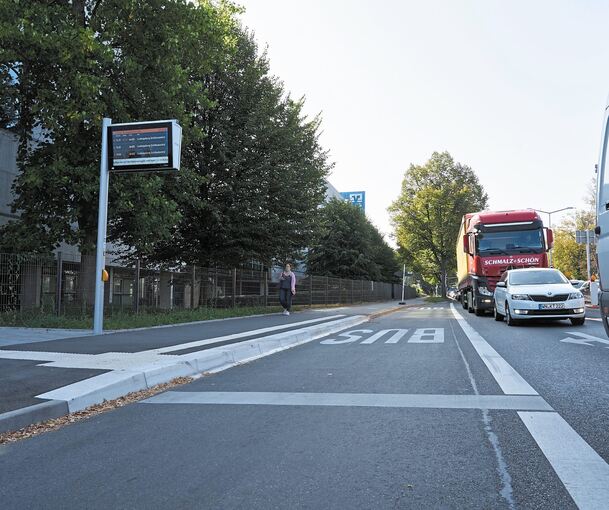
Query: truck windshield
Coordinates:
[514,241]
[536,277]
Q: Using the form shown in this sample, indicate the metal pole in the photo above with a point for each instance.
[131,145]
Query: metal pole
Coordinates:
[550,250]
[310,290]
[234,287]
[403,281]
[588,254]
[137,286]
[192,288]
[102,217]
[58,283]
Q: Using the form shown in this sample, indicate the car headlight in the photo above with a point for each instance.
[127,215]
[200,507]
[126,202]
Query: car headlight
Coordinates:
[576,295]
[484,291]
[521,297]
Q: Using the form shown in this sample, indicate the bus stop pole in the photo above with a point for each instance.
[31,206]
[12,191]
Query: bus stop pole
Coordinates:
[102,218]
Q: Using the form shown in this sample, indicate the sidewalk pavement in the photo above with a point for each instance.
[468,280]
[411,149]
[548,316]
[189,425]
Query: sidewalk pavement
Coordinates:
[12,336]
[45,379]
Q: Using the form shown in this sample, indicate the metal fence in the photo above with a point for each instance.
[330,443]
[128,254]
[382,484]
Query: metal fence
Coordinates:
[54,284]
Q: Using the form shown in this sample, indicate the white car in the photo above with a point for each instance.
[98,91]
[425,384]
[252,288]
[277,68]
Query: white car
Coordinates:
[537,293]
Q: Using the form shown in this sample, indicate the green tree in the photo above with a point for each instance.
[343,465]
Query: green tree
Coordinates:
[427,214]
[567,255]
[252,173]
[65,65]
[257,175]
[349,246]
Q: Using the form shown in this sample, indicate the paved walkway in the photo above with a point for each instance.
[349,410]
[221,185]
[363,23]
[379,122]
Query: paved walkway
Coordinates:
[13,336]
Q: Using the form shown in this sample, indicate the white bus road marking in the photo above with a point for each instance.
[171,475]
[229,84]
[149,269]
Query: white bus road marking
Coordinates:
[422,336]
[582,471]
[503,402]
[350,336]
[394,339]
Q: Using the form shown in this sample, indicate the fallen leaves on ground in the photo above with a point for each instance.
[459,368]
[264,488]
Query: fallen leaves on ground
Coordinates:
[106,405]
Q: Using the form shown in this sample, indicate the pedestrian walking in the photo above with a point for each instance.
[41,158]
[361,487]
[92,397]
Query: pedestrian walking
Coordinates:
[287,288]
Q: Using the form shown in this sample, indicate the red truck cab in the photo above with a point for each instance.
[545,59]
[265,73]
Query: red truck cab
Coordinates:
[490,243]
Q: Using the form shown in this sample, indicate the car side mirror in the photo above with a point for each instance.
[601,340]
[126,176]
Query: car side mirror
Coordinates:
[549,238]
[501,284]
[466,243]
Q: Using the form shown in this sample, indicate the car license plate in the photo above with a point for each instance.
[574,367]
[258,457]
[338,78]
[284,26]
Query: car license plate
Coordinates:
[551,306]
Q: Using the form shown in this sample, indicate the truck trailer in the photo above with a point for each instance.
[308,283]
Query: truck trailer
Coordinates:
[490,243]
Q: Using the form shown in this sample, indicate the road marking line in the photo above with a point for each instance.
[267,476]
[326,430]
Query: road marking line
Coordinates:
[503,402]
[510,381]
[419,336]
[583,472]
[255,332]
[394,339]
[349,337]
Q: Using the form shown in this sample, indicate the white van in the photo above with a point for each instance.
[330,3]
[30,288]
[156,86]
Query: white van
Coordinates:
[602,219]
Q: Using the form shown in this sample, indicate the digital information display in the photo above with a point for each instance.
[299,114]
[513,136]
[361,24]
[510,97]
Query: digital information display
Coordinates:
[144,146]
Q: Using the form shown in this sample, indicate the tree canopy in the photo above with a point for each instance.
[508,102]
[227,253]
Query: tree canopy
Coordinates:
[252,173]
[427,214]
[350,246]
[567,255]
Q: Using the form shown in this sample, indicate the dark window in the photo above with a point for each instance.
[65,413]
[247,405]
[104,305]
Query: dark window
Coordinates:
[515,241]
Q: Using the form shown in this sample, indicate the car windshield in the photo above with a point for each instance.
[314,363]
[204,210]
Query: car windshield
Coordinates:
[536,277]
[514,241]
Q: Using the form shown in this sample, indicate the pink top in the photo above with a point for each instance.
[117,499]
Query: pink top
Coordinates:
[293,276]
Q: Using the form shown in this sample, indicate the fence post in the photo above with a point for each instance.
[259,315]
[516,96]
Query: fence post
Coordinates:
[352,283]
[137,286]
[310,291]
[266,287]
[192,288]
[234,287]
[58,282]
[326,299]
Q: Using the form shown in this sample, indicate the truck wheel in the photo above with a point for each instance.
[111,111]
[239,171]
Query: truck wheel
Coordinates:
[496,315]
[464,300]
[578,321]
[508,317]
[470,302]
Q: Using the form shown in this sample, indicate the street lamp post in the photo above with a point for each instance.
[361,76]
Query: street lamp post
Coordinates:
[550,213]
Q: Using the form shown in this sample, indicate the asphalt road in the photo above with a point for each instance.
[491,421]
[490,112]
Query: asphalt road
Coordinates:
[456,412]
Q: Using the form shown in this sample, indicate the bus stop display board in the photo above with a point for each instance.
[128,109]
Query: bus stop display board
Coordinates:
[141,146]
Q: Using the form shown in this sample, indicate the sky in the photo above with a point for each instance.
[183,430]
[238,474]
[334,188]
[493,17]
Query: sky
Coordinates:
[514,89]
